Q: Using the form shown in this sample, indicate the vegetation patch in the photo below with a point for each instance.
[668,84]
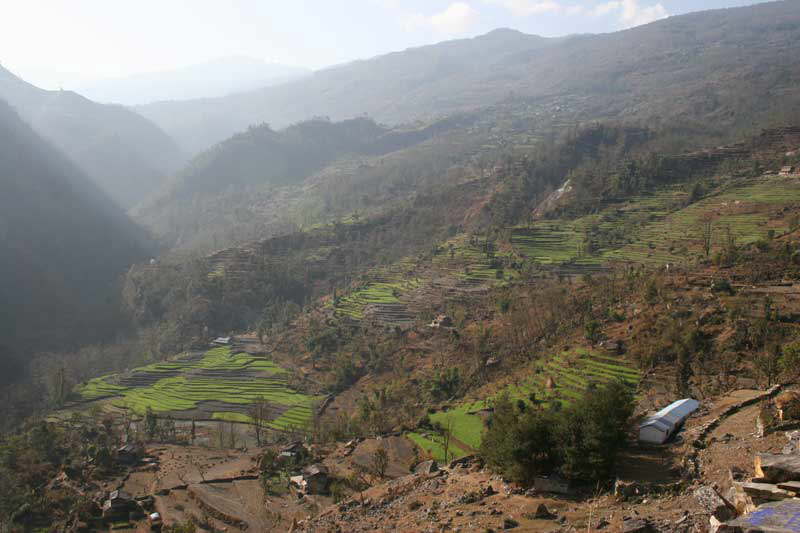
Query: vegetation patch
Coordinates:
[560,380]
[660,227]
[219,385]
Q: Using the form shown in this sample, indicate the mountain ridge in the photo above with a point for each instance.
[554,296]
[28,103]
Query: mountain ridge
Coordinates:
[97,137]
[215,78]
[65,245]
[614,70]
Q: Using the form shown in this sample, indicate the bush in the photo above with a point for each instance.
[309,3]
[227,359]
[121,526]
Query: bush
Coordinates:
[722,285]
[445,385]
[581,441]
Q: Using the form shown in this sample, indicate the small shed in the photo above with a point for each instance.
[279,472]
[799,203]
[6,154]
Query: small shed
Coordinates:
[129,454]
[787,171]
[658,428]
[118,505]
[316,479]
[441,321]
[293,453]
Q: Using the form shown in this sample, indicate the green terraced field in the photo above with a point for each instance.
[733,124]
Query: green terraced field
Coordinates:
[460,260]
[748,221]
[434,447]
[236,380]
[562,241]
[657,228]
[469,262]
[571,372]
[384,286]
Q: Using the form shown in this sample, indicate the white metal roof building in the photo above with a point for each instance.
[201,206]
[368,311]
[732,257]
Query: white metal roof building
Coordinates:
[656,429]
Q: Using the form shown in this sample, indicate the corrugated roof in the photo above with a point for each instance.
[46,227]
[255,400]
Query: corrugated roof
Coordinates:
[673,415]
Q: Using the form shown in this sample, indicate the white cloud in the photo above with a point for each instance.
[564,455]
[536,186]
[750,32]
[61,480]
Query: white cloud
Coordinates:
[457,18]
[526,8]
[631,12]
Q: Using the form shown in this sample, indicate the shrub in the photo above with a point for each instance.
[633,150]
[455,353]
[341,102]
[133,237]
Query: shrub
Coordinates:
[581,441]
[790,359]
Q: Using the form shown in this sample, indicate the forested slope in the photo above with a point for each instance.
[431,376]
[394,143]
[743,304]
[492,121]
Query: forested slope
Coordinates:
[64,245]
[128,156]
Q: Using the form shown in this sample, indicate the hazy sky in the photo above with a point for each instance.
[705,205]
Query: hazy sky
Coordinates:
[62,42]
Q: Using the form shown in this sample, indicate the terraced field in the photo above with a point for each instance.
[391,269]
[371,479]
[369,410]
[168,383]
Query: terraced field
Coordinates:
[392,295]
[568,374]
[746,210]
[215,385]
[432,444]
[469,264]
[382,290]
[657,228]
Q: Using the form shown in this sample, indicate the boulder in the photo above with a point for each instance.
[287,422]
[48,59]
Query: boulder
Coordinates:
[715,526]
[793,446]
[509,523]
[765,492]
[777,468]
[426,467]
[543,513]
[714,504]
[791,486]
[636,525]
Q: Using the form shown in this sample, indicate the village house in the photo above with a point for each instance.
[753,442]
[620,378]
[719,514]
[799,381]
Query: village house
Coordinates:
[129,454]
[222,341]
[441,321]
[315,479]
[787,171]
[657,429]
[118,505]
[293,453]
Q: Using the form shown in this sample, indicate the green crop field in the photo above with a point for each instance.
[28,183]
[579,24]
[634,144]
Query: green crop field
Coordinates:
[469,262]
[433,445]
[659,228]
[228,382]
[383,285]
[570,374]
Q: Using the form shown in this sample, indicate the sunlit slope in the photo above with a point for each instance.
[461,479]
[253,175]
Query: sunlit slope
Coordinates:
[217,384]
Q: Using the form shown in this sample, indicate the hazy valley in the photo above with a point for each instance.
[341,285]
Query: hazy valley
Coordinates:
[442,289]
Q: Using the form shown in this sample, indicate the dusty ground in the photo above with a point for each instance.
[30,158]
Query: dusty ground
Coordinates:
[458,499]
[217,488]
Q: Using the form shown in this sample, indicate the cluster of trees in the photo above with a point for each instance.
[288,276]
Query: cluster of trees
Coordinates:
[580,441]
[84,448]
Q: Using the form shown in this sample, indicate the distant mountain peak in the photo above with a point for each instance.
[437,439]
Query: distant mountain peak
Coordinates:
[503,32]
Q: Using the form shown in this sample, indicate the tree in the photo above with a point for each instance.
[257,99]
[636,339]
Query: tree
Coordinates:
[260,413]
[708,234]
[380,461]
[593,429]
[447,435]
[768,363]
[582,440]
[593,331]
[790,360]
[150,423]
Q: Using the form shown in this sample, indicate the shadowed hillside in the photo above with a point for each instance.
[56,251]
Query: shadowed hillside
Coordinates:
[64,245]
[125,154]
[691,67]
